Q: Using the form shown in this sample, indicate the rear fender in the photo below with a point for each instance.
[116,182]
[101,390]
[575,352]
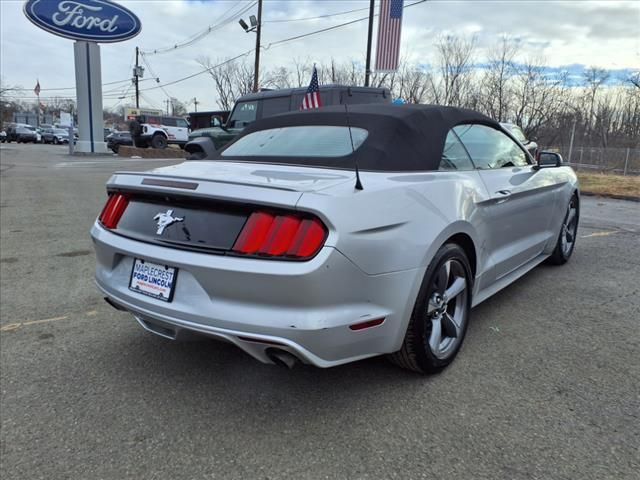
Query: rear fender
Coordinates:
[201,144]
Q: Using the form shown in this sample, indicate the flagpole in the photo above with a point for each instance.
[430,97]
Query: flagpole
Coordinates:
[367,69]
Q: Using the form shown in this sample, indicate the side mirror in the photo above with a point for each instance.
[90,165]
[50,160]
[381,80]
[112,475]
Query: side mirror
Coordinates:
[549,159]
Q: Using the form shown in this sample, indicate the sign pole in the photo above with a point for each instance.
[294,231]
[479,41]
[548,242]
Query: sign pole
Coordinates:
[89,97]
[104,21]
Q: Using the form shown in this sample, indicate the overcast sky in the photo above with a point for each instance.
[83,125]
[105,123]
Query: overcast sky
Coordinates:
[578,32]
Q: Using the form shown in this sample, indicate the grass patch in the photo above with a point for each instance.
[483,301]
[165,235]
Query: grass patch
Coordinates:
[603,184]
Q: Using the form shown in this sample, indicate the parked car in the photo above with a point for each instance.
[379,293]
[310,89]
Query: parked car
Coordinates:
[319,238]
[21,134]
[519,135]
[159,131]
[3,136]
[55,135]
[36,131]
[116,139]
[249,108]
[18,132]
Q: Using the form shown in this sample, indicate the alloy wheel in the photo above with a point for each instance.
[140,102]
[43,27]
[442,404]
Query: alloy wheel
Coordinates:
[569,229]
[446,309]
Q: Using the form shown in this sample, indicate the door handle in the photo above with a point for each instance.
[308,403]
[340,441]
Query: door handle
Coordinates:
[504,196]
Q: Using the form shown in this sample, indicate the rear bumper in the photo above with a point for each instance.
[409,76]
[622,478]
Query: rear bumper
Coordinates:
[304,308]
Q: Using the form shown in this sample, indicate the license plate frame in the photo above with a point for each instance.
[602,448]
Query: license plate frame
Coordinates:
[153,285]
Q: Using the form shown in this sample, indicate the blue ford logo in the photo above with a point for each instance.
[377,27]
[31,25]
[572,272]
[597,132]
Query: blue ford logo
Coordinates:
[85,20]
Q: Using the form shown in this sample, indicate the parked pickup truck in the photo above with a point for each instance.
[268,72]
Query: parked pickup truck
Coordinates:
[254,106]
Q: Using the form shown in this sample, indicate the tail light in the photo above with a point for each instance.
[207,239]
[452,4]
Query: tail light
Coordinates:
[113,209]
[286,235]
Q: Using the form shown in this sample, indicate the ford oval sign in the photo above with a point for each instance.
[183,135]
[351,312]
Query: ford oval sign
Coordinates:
[85,20]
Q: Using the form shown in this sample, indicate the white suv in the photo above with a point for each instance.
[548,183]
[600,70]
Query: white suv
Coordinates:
[158,132]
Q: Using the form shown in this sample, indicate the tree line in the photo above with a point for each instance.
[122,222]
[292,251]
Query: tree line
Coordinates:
[601,111]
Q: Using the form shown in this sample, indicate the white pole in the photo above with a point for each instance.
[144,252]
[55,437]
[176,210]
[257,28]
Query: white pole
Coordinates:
[626,162]
[573,132]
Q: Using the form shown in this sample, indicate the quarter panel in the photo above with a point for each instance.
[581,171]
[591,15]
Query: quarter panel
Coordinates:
[398,222]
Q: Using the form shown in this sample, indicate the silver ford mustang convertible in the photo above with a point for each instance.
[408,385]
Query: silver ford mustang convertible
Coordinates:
[329,236]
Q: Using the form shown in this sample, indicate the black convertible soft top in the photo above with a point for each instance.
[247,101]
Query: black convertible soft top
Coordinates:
[401,137]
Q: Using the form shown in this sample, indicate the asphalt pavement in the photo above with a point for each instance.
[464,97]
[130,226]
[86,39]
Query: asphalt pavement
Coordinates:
[546,386]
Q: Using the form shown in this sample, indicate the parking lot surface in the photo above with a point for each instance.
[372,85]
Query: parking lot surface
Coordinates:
[546,385]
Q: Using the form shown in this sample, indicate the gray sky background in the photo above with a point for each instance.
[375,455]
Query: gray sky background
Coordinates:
[568,34]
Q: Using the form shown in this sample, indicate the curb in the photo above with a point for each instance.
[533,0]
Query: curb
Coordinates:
[606,195]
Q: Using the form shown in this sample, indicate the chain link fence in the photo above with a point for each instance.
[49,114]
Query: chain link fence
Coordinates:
[619,161]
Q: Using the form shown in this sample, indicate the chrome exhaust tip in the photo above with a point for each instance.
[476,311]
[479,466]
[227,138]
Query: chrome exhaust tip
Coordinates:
[282,358]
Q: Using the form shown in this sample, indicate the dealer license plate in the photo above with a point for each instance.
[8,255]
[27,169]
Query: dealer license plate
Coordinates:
[152,279]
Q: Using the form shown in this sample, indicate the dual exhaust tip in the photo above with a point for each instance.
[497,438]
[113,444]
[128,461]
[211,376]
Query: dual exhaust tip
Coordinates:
[282,358]
[277,356]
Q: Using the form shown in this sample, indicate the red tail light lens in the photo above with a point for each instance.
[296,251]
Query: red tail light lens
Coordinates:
[287,235]
[113,209]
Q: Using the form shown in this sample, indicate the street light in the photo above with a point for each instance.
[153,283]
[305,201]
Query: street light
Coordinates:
[256,24]
[252,20]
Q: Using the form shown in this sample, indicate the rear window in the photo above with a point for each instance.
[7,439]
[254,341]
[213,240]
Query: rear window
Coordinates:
[302,141]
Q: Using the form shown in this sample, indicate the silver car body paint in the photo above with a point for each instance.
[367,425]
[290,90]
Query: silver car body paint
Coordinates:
[380,242]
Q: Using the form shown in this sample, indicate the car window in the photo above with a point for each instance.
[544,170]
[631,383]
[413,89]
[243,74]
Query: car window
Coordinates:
[273,106]
[243,114]
[303,141]
[60,131]
[169,122]
[454,156]
[490,148]
[182,123]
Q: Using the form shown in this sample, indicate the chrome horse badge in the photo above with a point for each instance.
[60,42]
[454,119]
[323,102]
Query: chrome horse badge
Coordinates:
[165,219]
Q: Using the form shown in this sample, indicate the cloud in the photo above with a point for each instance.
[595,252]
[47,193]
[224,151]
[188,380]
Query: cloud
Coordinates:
[564,32]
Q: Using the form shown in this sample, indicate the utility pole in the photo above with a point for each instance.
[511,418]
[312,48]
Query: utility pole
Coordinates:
[256,67]
[367,68]
[195,103]
[136,73]
[167,102]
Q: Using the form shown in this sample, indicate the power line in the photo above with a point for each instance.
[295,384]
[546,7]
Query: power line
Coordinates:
[337,14]
[273,44]
[227,18]
[73,88]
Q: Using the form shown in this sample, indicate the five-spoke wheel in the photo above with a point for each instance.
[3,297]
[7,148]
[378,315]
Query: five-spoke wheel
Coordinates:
[568,233]
[441,313]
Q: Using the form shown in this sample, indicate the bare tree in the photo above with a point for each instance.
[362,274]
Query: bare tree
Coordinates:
[231,79]
[178,108]
[455,55]
[496,79]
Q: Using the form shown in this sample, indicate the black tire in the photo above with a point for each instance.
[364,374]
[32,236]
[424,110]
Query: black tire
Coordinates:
[568,234]
[196,155]
[115,148]
[159,141]
[416,353]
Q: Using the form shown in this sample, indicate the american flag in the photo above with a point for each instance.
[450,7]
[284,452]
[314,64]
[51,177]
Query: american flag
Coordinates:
[36,90]
[312,97]
[389,29]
